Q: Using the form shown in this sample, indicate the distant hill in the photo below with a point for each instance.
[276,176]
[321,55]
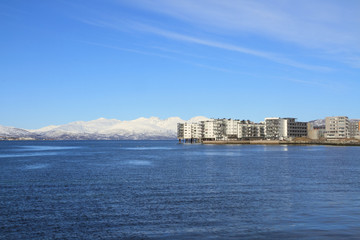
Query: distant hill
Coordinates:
[321,122]
[152,128]
[11,132]
[318,122]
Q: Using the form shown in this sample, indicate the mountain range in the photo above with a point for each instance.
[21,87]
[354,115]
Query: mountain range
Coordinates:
[152,128]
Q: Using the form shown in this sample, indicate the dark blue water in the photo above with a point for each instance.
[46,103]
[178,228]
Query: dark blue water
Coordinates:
[163,190]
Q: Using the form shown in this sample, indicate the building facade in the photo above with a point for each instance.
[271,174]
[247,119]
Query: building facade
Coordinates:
[277,128]
[250,130]
[337,127]
[272,128]
[284,128]
[293,129]
[230,129]
[354,128]
[210,130]
[222,129]
[189,132]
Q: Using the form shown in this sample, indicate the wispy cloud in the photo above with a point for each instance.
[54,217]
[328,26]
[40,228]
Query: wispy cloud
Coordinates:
[158,55]
[324,24]
[234,48]
[215,44]
[308,23]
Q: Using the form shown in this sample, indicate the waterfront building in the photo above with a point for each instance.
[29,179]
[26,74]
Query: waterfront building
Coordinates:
[189,132]
[284,128]
[272,128]
[220,129]
[210,130]
[231,129]
[315,132]
[354,128]
[336,127]
[213,130]
[250,130]
[181,131]
[293,129]
[196,130]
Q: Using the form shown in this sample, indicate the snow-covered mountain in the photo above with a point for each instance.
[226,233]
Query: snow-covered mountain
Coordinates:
[318,122]
[105,129]
[13,132]
[321,122]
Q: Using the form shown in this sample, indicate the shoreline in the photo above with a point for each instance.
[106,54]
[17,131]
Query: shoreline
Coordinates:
[278,142]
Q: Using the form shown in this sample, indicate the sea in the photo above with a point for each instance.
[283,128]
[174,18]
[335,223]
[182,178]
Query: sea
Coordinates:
[166,190]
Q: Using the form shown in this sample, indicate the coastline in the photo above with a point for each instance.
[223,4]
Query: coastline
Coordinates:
[278,142]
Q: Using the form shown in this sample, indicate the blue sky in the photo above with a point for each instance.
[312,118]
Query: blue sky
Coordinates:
[64,61]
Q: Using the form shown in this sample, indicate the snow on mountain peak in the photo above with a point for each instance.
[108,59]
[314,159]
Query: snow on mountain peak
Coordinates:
[13,132]
[102,128]
[44,129]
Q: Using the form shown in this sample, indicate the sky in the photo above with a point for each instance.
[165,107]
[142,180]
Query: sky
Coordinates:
[64,61]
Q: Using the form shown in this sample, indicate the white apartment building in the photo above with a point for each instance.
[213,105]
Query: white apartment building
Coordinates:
[184,130]
[272,128]
[336,127]
[231,128]
[276,128]
[189,132]
[196,130]
[212,129]
[220,129]
[251,130]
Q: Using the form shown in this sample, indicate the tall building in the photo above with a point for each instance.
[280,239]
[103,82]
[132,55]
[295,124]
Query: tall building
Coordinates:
[276,128]
[212,130]
[189,132]
[250,130]
[292,129]
[196,130]
[229,129]
[272,128]
[354,128]
[284,128]
[336,127]
[184,130]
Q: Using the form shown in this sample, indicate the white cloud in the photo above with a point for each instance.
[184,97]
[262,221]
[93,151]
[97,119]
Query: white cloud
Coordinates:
[323,25]
[225,46]
[309,23]
[326,30]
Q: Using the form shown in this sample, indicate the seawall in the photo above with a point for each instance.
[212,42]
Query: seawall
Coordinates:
[278,142]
